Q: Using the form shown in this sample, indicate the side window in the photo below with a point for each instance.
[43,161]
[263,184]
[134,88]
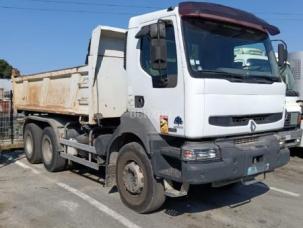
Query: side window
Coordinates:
[172,67]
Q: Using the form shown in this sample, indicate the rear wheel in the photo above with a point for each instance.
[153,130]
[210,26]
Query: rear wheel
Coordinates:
[50,151]
[32,143]
[138,188]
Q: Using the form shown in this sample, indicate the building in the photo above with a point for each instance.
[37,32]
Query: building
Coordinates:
[5,84]
[296,62]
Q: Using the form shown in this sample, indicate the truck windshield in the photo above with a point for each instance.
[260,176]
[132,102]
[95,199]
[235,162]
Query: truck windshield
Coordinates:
[217,49]
[261,64]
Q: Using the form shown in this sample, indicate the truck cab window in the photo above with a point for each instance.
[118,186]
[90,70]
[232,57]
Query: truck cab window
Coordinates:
[248,53]
[171,70]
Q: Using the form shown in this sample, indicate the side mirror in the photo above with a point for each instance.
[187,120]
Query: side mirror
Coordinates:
[158,52]
[282,54]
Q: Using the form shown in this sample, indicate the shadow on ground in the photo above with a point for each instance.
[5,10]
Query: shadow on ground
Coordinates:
[93,175]
[296,152]
[205,198]
[200,198]
[9,157]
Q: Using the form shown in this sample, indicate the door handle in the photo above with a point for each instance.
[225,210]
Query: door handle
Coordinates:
[139,101]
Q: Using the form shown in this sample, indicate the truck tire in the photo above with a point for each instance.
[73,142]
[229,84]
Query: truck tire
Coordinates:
[52,160]
[138,188]
[32,143]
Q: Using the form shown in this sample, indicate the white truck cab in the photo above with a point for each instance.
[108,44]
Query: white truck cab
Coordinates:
[204,86]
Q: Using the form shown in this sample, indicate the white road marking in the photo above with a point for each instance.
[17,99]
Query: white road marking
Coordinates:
[101,207]
[124,221]
[21,164]
[27,167]
[279,190]
[285,192]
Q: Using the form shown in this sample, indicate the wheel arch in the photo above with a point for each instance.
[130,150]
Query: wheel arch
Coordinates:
[44,122]
[119,142]
[56,124]
[134,127]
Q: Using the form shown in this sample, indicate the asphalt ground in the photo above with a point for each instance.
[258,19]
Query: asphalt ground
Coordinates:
[32,197]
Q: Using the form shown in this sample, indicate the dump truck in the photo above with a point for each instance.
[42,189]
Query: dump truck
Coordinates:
[162,105]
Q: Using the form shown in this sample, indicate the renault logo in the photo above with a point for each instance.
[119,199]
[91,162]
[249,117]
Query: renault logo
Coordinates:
[253,126]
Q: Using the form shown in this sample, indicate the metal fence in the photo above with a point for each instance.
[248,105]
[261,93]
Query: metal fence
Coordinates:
[11,124]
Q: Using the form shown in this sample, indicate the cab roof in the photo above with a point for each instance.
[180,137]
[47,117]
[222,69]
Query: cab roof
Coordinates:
[226,14]
[209,11]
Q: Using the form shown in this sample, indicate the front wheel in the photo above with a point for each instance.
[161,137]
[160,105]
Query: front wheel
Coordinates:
[138,188]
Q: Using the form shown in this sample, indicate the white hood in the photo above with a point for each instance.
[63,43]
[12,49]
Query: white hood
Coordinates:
[222,98]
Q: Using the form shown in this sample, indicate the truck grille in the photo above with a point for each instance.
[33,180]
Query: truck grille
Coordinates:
[232,121]
[246,140]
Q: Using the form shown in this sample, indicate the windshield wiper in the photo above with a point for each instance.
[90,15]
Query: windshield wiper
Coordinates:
[230,76]
[264,79]
[243,78]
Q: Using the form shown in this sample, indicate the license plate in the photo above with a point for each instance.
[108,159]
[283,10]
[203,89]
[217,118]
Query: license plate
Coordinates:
[287,137]
[257,168]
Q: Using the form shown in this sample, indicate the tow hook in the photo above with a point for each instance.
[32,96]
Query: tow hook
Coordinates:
[253,180]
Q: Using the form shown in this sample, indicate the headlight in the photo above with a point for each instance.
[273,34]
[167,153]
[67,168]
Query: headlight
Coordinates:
[195,154]
[282,143]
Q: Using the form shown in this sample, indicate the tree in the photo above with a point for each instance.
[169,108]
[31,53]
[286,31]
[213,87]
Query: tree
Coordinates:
[5,69]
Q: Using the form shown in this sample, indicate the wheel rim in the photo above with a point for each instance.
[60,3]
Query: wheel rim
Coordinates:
[29,145]
[47,150]
[133,178]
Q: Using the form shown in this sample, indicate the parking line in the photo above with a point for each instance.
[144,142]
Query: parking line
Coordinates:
[21,164]
[27,167]
[285,192]
[124,221]
[261,184]
[101,207]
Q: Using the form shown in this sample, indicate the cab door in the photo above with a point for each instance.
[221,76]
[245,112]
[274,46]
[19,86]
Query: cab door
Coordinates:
[162,103]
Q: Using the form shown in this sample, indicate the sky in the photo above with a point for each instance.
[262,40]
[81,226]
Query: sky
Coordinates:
[42,35]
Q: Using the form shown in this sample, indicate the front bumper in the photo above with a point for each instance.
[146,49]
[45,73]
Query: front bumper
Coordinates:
[292,137]
[241,158]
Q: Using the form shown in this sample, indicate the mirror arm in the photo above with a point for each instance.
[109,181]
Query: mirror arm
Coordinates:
[282,41]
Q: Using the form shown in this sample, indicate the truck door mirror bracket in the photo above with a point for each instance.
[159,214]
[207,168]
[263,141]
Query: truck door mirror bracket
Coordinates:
[158,30]
[282,54]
